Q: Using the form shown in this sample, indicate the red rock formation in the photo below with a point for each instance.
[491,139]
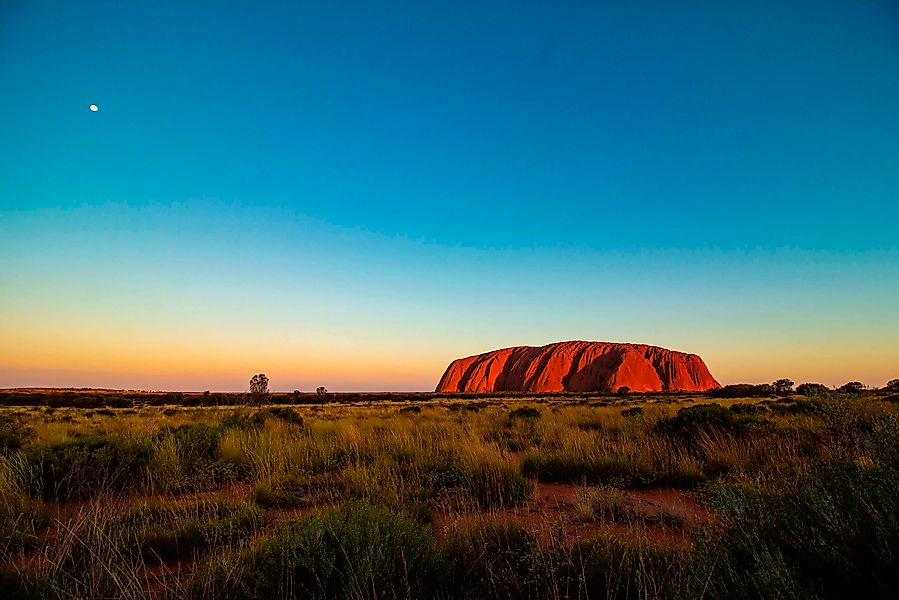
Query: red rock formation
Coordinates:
[578,367]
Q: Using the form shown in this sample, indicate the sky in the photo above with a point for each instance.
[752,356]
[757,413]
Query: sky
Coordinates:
[354,194]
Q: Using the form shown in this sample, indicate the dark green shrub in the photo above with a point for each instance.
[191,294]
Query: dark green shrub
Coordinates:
[800,407]
[290,492]
[853,387]
[496,484]
[281,413]
[632,412]
[742,390]
[159,532]
[13,433]
[832,533]
[197,442]
[745,408]
[616,567]
[783,386]
[493,559]
[812,389]
[87,466]
[354,551]
[524,412]
[690,420]
[244,420]
[610,469]
[198,464]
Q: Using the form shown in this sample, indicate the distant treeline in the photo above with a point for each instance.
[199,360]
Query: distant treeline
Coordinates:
[128,399]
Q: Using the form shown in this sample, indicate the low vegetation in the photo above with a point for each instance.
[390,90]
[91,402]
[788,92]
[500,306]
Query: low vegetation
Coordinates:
[770,494]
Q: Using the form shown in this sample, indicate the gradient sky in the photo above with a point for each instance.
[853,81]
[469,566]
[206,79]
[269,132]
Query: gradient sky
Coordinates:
[352,195]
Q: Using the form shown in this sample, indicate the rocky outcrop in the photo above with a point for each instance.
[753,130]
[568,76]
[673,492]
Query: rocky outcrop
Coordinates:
[579,367]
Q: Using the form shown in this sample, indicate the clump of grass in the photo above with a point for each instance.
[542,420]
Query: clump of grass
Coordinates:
[244,420]
[14,433]
[650,463]
[355,551]
[831,533]
[86,466]
[186,458]
[21,517]
[705,417]
[160,532]
[290,491]
[493,558]
[607,566]
[492,482]
[604,502]
[524,412]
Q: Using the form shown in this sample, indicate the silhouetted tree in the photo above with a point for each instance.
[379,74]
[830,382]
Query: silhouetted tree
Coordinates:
[812,389]
[892,385]
[853,387]
[321,390]
[258,388]
[783,386]
[259,384]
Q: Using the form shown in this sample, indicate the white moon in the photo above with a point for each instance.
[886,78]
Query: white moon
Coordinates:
[94,108]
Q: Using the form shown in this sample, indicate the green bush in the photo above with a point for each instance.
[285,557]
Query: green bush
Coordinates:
[616,567]
[495,484]
[524,412]
[743,390]
[291,491]
[187,458]
[244,420]
[833,533]
[493,559]
[812,389]
[705,417]
[160,532]
[86,466]
[13,433]
[354,551]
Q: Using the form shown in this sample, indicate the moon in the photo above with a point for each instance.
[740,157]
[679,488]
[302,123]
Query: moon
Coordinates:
[94,107]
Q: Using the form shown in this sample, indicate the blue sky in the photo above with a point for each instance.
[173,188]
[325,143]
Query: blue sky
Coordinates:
[354,195]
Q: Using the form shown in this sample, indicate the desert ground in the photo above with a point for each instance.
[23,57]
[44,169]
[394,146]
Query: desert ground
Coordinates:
[109,494]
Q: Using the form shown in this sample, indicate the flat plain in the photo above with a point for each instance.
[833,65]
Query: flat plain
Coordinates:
[138,495]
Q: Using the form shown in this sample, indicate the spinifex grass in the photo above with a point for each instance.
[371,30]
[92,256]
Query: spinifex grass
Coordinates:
[790,485]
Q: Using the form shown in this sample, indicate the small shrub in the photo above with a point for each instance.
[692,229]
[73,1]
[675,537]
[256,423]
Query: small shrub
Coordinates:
[354,551]
[13,433]
[160,532]
[783,386]
[745,408]
[615,567]
[742,390]
[493,558]
[853,387]
[524,412]
[86,466]
[692,419]
[410,410]
[292,491]
[494,483]
[187,458]
[812,389]
[632,412]
[244,420]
